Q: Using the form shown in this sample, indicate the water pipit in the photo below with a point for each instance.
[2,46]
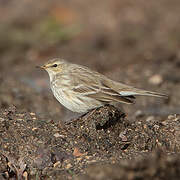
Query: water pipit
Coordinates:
[81,89]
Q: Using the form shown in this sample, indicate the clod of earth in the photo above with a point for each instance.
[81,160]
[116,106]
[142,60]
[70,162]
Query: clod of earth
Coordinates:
[34,147]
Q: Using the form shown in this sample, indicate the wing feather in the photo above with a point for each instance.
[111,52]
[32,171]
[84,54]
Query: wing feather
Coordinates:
[91,85]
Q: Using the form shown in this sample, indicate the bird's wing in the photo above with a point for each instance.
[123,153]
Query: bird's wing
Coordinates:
[93,85]
[130,91]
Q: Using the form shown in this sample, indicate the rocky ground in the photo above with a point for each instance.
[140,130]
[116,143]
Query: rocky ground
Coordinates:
[131,42]
[103,144]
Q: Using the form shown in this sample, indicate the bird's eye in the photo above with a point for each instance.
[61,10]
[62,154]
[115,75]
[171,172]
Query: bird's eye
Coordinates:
[54,65]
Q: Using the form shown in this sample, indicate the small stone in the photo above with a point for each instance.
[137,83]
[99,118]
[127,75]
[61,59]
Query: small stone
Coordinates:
[156,126]
[79,159]
[150,118]
[20,115]
[139,114]
[122,136]
[19,119]
[156,79]
[68,166]
[25,175]
[171,117]
[145,126]
[174,117]
[57,135]
[77,153]
[164,123]
[2,119]
[56,164]
[35,128]
[88,157]
[32,114]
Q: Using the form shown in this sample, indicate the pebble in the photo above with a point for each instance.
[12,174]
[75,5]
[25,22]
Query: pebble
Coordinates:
[150,118]
[20,115]
[170,117]
[2,119]
[156,126]
[139,114]
[174,117]
[122,136]
[68,166]
[25,175]
[35,128]
[32,113]
[56,164]
[164,123]
[156,79]
[57,135]
[19,119]
[88,157]
[79,159]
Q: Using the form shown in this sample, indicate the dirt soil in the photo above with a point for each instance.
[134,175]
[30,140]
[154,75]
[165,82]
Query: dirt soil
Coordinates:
[134,42]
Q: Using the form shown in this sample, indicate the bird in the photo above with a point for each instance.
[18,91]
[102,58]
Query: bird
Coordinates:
[81,89]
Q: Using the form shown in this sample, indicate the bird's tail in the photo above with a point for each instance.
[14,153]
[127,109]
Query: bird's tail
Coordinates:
[155,94]
[139,92]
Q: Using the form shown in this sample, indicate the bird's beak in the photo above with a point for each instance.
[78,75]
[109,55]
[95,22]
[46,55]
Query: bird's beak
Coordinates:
[42,67]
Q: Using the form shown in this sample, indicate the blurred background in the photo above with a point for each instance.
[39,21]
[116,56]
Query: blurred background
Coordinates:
[135,42]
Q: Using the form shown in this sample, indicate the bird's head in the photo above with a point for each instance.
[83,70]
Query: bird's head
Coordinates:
[53,66]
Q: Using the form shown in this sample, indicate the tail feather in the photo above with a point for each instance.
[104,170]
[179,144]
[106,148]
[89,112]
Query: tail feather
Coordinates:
[155,94]
[139,92]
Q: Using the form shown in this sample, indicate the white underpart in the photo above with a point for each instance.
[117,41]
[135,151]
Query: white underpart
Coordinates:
[51,74]
[74,102]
